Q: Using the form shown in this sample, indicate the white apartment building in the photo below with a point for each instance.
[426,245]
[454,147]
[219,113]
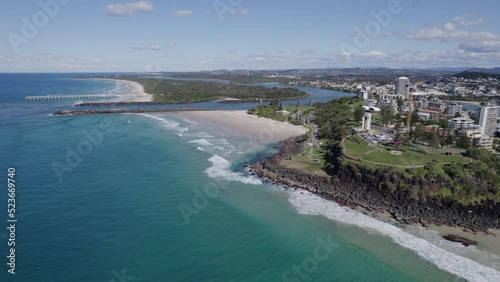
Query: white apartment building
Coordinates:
[488,119]
[403,87]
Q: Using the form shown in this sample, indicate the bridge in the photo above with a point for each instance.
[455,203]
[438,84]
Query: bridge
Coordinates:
[72,97]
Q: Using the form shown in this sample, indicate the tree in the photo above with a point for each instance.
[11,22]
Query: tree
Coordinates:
[419,133]
[397,126]
[449,140]
[434,140]
[464,142]
[359,113]
[414,117]
[387,114]
[443,123]
[400,102]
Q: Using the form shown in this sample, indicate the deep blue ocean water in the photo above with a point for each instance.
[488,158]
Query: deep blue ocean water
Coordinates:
[162,198]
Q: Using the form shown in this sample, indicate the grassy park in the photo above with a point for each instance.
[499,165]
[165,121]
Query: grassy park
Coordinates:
[407,156]
[310,159]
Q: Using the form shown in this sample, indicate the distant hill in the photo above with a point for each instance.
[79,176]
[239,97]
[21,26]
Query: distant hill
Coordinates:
[492,70]
[462,69]
[449,69]
[476,75]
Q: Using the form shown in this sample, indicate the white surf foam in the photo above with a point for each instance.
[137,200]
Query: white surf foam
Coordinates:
[471,252]
[224,146]
[221,168]
[472,271]
[199,135]
[165,123]
[201,142]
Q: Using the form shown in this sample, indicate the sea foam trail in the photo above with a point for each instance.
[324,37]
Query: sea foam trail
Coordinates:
[201,142]
[168,124]
[221,168]
[445,260]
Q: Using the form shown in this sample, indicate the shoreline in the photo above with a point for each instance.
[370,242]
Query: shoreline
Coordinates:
[345,195]
[136,91]
[263,130]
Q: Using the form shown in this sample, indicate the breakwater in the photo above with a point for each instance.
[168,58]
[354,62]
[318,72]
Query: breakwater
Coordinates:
[126,111]
[71,97]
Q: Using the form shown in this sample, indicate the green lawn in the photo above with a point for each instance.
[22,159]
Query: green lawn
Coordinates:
[355,149]
[411,156]
[303,162]
[408,158]
[292,108]
[456,158]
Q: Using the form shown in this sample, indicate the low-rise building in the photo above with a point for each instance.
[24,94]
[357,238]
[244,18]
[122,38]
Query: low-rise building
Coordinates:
[484,141]
[443,132]
[453,109]
[437,105]
[471,132]
[460,122]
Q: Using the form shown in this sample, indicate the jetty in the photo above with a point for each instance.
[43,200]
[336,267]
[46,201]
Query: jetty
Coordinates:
[129,111]
[72,97]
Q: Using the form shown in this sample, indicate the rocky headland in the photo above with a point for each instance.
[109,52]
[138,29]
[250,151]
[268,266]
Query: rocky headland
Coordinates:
[357,186]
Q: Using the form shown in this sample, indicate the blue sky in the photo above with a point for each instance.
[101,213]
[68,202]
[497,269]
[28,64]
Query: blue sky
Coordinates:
[191,35]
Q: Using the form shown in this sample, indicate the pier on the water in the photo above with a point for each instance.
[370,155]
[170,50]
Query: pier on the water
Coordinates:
[72,97]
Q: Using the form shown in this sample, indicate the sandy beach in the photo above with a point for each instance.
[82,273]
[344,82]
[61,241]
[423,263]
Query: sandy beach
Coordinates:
[489,242]
[135,92]
[243,124]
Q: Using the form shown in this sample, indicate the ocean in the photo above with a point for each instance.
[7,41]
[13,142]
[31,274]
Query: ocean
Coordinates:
[164,198]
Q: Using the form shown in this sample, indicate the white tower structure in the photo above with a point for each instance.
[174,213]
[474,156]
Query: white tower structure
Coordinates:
[367,122]
[403,87]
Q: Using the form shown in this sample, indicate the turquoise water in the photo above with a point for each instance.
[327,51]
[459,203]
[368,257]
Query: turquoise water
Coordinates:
[162,198]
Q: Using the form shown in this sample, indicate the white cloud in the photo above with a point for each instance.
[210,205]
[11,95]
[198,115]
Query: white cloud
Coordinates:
[184,13]
[446,32]
[375,54]
[481,46]
[129,9]
[450,32]
[153,47]
[463,20]
[471,43]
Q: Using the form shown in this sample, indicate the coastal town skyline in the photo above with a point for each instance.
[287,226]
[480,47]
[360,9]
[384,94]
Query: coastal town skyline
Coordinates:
[141,36]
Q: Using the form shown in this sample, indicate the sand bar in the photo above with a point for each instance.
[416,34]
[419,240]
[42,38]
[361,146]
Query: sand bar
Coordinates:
[136,91]
[264,129]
